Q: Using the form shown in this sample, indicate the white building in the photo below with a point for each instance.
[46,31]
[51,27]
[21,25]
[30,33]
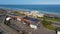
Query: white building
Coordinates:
[33,26]
[8,18]
[40,15]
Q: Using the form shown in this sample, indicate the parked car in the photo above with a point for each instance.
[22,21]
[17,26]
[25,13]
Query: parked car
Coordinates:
[58,30]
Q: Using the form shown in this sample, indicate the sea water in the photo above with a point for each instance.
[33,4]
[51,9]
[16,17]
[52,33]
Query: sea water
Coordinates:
[54,9]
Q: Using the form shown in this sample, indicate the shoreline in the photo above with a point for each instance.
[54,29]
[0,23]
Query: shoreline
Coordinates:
[18,9]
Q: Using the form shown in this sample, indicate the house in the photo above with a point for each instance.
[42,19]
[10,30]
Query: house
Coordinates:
[36,14]
[33,22]
[33,26]
[8,18]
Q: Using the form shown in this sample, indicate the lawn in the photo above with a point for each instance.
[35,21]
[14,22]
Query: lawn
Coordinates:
[19,13]
[47,24]
[50,18]
[50,27]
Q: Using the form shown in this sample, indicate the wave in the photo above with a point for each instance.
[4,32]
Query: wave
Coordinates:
[28,10]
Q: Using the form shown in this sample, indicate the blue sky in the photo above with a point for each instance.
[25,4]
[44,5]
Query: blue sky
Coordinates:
[29,1]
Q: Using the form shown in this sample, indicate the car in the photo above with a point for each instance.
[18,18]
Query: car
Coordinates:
[58,30]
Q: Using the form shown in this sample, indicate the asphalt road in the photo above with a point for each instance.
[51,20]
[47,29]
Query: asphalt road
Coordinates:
[4,27]
[7,28]
[1,28]
[54,23]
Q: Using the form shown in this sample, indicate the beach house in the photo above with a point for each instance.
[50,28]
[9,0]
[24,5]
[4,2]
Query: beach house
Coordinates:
[35,14]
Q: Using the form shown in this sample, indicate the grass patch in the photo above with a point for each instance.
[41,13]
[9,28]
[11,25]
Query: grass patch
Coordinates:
[19,13]
[50,18]
[50,27]
[47,24]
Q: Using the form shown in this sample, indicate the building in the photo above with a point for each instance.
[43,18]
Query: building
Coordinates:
[33,26]
[32,22]
[35,14]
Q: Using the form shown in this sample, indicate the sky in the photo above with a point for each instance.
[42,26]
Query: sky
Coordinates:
[18,2]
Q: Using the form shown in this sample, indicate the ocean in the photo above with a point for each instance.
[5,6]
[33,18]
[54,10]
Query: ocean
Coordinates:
[54,9]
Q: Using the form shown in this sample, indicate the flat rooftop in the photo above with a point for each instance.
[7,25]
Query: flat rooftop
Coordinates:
[31,19]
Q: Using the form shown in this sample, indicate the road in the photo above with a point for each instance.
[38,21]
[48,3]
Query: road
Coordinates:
[4,27]
[54,23]
[8,28]
[1,28]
